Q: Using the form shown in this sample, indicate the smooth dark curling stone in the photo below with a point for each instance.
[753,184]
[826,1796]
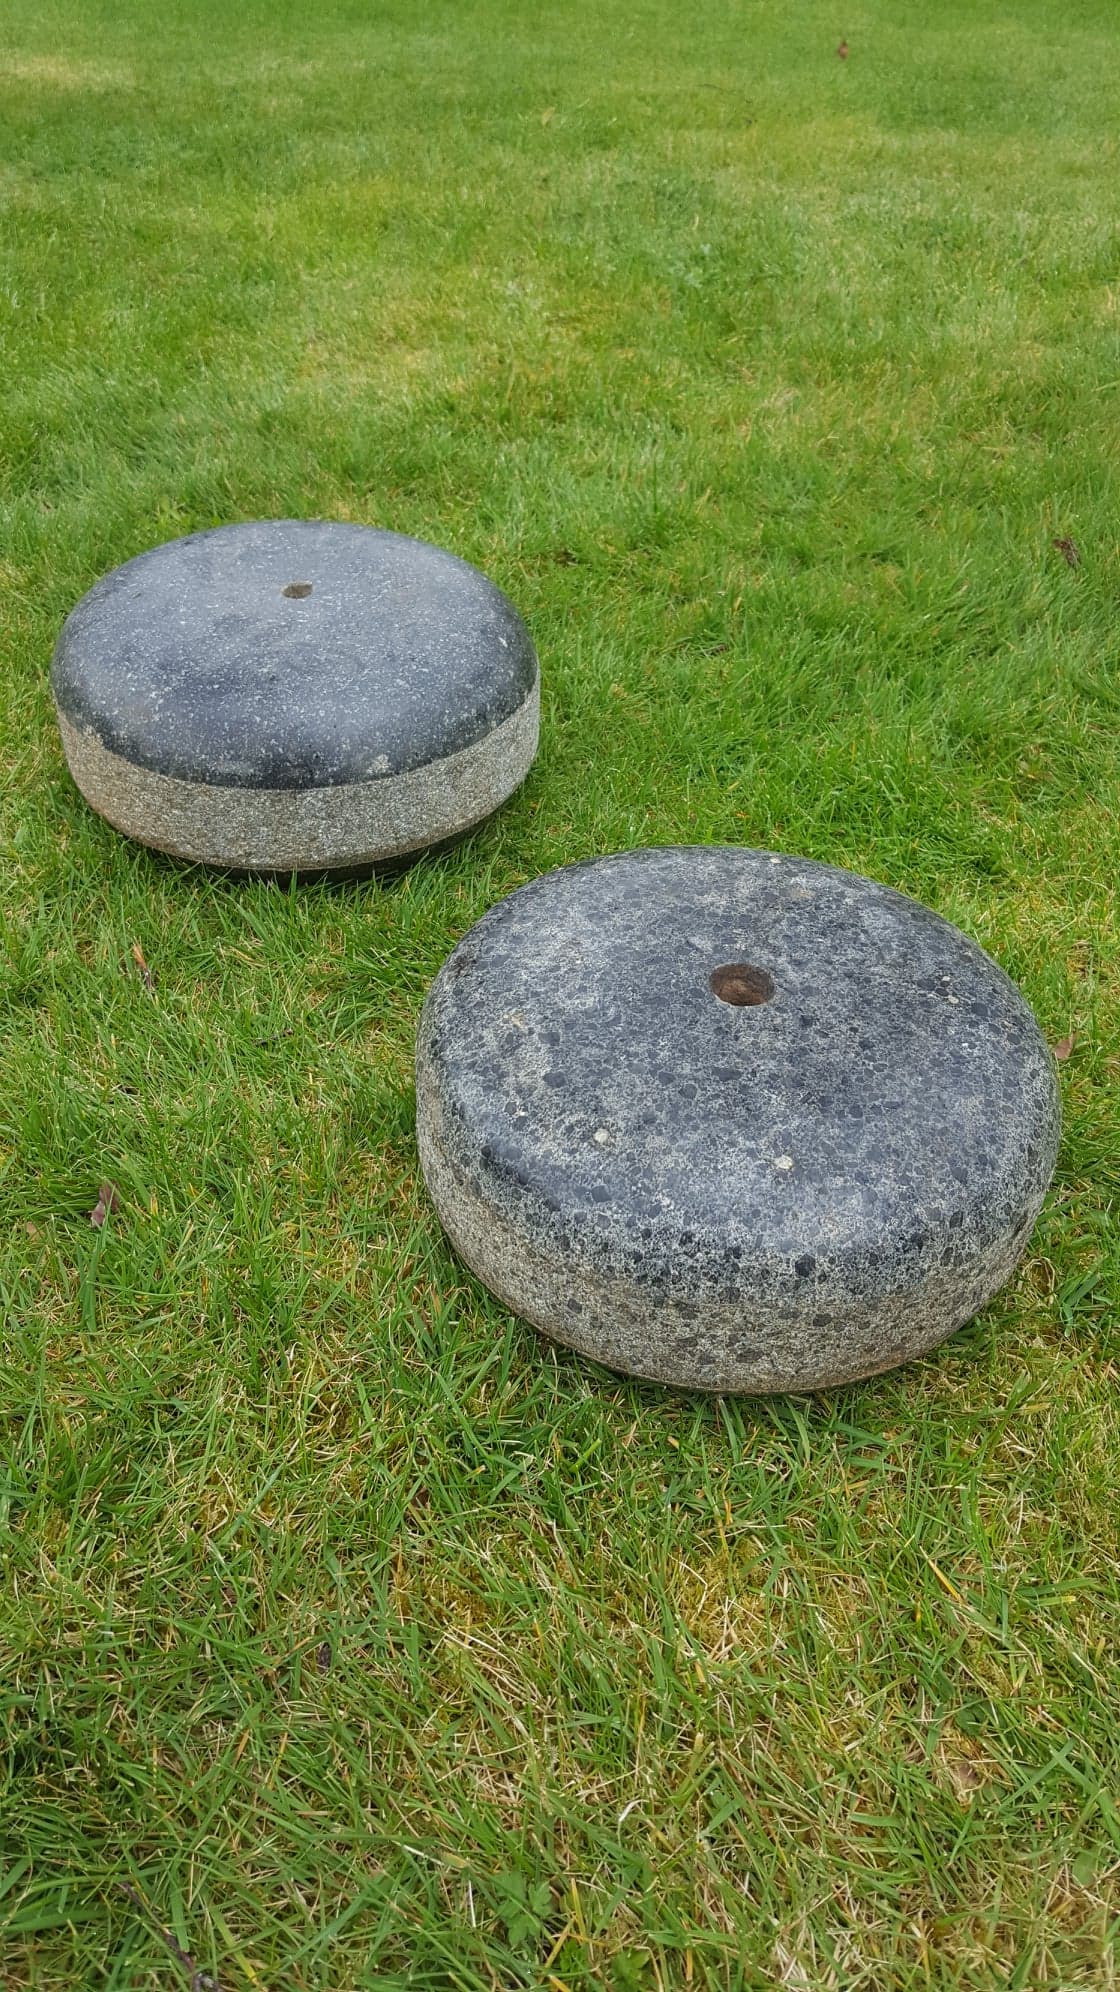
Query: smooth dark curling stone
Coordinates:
[296,696]
[733,1121]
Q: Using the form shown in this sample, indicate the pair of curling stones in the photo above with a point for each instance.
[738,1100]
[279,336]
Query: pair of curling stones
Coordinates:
[714,1117]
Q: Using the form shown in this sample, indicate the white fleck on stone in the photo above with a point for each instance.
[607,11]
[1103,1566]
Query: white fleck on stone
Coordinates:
[600,1135]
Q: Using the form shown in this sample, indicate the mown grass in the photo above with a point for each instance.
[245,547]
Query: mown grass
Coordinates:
[350,1635]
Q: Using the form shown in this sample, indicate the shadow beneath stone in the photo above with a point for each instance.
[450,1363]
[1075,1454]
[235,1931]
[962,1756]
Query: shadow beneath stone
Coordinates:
[382,872]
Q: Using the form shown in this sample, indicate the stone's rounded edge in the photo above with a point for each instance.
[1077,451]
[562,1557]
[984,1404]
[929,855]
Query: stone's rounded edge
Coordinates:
[85,622]
[708,1344]
[337,827]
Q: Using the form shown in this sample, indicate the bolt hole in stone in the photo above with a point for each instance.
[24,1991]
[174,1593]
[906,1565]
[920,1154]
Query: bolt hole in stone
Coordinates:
[737,982]
[296,590]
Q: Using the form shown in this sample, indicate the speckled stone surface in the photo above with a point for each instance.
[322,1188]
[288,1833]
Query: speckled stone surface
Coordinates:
[808,1177]
[296,695]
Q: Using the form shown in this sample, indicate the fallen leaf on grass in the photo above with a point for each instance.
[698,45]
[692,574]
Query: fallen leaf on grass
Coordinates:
[842,51]
[1069,550]
[548,114]
[108,1200]
[146,975]
[1063,1048]
[963,1773]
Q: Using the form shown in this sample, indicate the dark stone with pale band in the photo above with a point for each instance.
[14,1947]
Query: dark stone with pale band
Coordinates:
[296,695]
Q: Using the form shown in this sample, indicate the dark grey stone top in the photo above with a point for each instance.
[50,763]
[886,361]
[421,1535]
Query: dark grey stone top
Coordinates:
[292,654]
[718,1072]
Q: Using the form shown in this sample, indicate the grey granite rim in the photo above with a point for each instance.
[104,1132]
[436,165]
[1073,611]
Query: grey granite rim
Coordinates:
[607,1317]
[342,826]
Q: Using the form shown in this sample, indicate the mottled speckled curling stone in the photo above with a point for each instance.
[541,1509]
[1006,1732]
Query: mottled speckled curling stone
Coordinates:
[732,1121]
[296,696]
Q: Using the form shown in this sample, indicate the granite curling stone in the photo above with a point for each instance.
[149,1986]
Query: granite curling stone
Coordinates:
[732,1121]
[296,696]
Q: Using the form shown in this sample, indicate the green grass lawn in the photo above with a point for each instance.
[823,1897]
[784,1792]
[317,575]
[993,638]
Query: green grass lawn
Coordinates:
[350,1635]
